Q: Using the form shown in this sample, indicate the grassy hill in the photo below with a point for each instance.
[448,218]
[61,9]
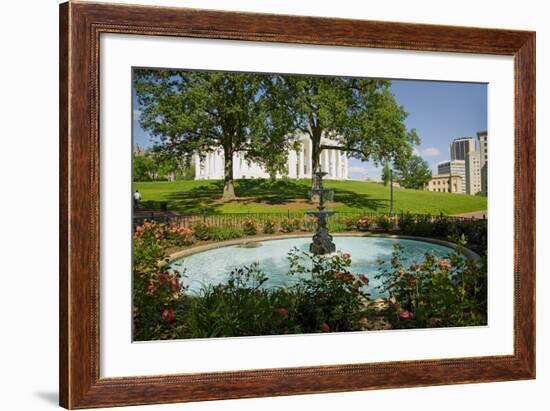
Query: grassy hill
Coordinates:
[257,196]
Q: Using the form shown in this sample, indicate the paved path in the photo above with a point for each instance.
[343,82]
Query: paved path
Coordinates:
[473,214]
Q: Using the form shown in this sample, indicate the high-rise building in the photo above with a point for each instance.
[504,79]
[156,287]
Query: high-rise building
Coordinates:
[454,168]
[473,173]
[460,147]
[482,137]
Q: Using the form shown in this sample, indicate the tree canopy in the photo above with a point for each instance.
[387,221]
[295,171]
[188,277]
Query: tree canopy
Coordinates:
[259,114]
[413,173]
[191,112]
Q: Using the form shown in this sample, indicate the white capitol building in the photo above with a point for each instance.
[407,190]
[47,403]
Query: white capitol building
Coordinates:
[334,162]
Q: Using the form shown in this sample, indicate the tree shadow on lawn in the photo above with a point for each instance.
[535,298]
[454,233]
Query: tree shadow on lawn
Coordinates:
[207,198]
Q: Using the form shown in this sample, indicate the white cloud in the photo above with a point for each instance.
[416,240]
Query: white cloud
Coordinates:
[431,152]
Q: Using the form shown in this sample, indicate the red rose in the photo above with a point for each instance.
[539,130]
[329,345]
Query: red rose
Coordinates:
[162,278]
[283,312]
[364,279]
[414,267]
[411,281]
[151,289]
[168,315]
[404,314]
[325,328]
[175,285]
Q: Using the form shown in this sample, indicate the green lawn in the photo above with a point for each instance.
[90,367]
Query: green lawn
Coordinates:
[257,196]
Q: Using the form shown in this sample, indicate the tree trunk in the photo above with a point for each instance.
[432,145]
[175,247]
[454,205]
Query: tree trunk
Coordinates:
[228,188]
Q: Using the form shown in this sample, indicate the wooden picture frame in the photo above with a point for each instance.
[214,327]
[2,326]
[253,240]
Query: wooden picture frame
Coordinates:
[80,27]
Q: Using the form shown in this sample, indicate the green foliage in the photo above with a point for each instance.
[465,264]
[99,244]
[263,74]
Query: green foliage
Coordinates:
[155,291]
[269,226]
[361,114]
[331,298]
[413,173]
[363,224]
[191,112]
[250,226]
[224,233]
[288,225]
[436,293]
[384,223]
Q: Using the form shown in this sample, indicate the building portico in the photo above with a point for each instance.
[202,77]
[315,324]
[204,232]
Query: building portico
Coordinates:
[299,163]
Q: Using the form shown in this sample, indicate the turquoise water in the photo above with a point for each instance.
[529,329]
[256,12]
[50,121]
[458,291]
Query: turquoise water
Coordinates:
[213,266]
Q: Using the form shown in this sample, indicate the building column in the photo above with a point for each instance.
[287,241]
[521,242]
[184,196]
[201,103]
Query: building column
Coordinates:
[301,162]
[333,163]
[327,162]
[338,164]
[197,166]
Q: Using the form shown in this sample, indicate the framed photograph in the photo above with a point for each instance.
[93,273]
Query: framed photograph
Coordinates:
[258,205]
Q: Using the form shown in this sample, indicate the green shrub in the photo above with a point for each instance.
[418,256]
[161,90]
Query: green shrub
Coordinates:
[155,290]
[363,224]
[269,226]
[331,298]
[223,233]
[384,223]
[447,292]
[250,227]
[287,225]
[202,231]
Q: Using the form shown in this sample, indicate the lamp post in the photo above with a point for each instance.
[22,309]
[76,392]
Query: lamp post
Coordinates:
[391,192]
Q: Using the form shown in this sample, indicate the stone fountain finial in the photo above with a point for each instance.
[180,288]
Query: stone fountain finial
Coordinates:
[322,240]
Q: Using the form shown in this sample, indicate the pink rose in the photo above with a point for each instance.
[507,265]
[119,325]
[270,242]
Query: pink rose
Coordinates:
[404,314]
[283,312]
[139,229]
[444,264]
[346,256]
[151,289]
[168,315]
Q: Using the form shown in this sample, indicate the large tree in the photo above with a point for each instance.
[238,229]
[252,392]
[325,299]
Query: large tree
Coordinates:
[413,173]
[361,115]
[190,112]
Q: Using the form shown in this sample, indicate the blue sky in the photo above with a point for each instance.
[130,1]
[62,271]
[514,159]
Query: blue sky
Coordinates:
[439,111]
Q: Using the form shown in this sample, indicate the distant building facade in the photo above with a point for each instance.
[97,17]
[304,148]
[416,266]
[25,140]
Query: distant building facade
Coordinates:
[482,137]
[460,147]
[454,168]
[473,173]
[444,183]
[299,164]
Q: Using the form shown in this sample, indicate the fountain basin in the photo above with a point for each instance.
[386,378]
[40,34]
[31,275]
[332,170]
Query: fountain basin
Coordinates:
[212,266]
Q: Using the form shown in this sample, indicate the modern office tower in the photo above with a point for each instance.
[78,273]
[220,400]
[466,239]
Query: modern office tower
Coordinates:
[473,173]
[454,168]
[482,137]
[460,147]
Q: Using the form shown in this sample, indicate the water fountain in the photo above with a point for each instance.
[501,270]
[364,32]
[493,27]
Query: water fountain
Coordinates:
[322,240]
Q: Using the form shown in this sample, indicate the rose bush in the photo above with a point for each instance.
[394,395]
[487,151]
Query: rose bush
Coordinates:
[446,292]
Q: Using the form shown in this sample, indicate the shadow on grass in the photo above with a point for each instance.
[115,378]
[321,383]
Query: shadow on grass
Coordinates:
[207,198]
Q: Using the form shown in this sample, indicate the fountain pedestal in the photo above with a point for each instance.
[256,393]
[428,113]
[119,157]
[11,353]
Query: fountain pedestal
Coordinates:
[322,240]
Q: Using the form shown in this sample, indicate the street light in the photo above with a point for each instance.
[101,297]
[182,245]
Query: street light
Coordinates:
[391,192]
